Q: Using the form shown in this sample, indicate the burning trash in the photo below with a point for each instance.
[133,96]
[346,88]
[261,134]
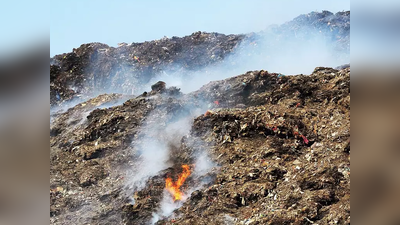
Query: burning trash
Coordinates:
[173,187]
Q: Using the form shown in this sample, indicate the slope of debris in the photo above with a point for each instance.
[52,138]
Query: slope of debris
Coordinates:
[284,161]
[280,146]
[97,68]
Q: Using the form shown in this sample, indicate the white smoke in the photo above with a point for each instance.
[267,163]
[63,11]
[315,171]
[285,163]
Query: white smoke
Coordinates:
[203,165]
[266,51]
[152,153]
[167,207]
[152,149]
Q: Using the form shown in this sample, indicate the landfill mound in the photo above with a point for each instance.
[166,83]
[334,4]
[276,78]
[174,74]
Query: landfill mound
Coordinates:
[97,68]
[279,147]
[255,148]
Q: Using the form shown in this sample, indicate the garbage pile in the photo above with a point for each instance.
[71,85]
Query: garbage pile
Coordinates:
[258,148]
[97,68]
[280,145]
[283,161]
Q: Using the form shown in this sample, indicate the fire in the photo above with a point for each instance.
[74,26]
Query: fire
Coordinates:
[173,187]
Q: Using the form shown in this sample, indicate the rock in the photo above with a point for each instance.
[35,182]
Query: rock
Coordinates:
[158,87]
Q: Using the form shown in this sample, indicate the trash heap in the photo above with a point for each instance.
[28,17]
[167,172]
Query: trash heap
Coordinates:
[284,160]
[97,68]
[280,145]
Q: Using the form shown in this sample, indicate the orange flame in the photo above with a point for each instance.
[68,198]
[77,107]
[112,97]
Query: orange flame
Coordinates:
[173,187]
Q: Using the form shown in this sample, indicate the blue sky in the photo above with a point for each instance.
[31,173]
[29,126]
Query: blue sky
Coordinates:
[75,22]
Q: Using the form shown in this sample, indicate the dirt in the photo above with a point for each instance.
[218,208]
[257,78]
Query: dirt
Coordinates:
[279,145]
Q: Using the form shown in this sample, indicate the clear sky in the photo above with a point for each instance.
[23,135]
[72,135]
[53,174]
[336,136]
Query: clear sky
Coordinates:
[75,22]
